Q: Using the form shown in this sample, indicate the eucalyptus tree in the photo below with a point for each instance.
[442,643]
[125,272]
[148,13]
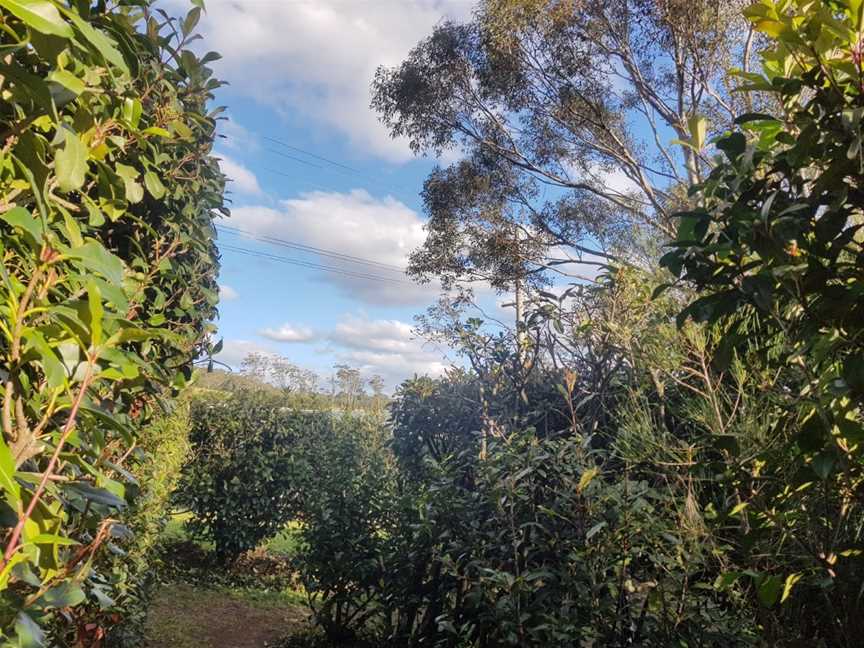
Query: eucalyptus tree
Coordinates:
[577,124]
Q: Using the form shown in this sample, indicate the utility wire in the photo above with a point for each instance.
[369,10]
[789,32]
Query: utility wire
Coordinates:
[311,154]
[296,159]
[313,266]
[341,168]
[307,248]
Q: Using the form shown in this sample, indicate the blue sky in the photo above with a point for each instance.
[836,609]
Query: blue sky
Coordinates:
[299,72]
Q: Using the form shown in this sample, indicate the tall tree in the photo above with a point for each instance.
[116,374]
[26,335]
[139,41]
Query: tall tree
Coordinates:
[565,113]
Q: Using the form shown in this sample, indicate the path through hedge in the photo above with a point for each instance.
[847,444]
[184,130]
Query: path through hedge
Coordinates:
[186,616]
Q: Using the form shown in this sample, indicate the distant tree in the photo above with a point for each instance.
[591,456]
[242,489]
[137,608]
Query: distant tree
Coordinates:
[376,384]
[279,372]
[350,385]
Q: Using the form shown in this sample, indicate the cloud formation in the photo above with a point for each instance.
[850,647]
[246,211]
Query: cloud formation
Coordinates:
[234,351]
[241,179]
[377,235]
[289,333]
[385,347]
[285,58]
[227,293]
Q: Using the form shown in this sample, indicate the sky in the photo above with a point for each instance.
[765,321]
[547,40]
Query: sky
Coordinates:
[311,167]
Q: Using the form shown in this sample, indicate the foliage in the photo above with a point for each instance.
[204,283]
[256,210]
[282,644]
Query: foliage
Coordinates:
[165,447]
[107,193]
[776,250]
[346,500]
[577,98]
[239,482]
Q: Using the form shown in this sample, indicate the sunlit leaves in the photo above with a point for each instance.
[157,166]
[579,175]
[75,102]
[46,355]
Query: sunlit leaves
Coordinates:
[41,15]
[103,287]
[71,163]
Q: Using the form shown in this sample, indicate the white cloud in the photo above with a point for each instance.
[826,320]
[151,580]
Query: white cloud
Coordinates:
[242,180]
[227,293]
[288,333]
[385,347]
[383,231]
[317,57]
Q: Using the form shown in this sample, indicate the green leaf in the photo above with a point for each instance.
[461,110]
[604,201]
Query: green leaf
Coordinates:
[50,538]
[71,163]
[23,219]
[104,45]
[154,185]
[132,111]
[96,258]
[98,495]
[30,635]
[55,373]
[94,304]
[68,81]
[7,475]
[65,595]
[191,21]
[768,590]
[133,189]
[40,15]
[698,129]
[155,130]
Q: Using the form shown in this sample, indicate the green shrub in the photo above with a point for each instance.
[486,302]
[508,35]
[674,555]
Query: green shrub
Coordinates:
[776,252]
[108,280]
[347,509]
[165,448]
[239,483]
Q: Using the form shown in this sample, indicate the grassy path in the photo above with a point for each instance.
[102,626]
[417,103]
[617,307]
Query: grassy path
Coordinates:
[188,616]
[255,603]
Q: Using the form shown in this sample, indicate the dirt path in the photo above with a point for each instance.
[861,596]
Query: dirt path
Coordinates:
[183,616]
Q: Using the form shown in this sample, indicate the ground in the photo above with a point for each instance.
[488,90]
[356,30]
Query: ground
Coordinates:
[187,616]
[254,604]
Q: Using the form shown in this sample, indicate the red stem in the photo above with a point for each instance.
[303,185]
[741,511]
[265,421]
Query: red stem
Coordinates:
[12,547]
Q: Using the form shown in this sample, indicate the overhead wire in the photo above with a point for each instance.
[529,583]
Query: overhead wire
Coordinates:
[313,266]
[340,167]
[341,256]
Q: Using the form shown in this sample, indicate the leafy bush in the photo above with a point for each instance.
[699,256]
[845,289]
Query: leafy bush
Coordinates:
[347,509]
[165,448]
[775,249]
[239,482]
[107,195]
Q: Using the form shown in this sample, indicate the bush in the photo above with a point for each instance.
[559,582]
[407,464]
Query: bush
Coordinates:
[240,481]
[107,196]
[165,448]
[775,250]
[347,508]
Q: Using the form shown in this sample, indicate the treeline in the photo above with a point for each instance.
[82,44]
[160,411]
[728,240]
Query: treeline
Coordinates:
[347,388]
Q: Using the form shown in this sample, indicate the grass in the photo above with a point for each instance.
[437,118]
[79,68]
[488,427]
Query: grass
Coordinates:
[186,616]
[253,603]
[284,544]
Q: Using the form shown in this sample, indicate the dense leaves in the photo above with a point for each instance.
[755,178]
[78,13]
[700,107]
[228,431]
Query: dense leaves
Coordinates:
[239,481]
[107,195]
[776,250]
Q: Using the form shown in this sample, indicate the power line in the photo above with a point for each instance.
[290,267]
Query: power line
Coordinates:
[308,248]
[311,154]
[313,266]
[341,168]
[296,159]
